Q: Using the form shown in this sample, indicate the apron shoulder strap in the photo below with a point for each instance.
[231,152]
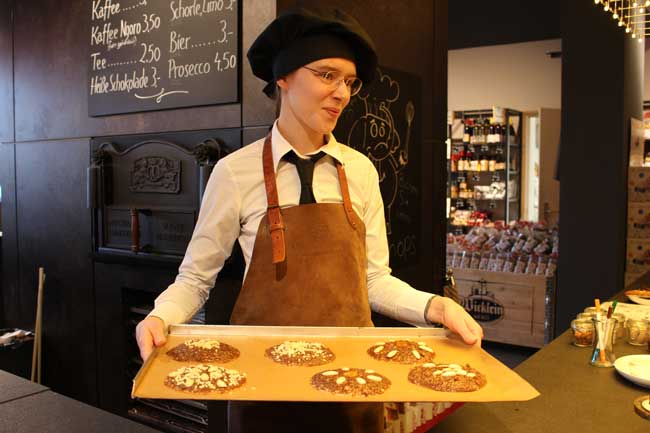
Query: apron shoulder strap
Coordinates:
[345,192]
[276,226]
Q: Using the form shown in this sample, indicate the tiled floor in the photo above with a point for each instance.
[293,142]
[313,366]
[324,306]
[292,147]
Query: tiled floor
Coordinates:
[510,355]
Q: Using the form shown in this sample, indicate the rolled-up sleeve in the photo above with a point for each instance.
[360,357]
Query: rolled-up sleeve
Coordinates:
[214,235]
[387,294]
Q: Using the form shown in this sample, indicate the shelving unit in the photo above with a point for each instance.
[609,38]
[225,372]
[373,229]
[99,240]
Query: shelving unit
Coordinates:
[483,173]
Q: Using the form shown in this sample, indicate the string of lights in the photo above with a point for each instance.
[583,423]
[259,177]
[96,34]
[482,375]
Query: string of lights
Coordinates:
[633,15]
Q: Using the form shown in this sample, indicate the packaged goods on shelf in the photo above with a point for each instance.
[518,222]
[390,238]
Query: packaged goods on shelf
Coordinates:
[483,167]
[520,247]
[469,218]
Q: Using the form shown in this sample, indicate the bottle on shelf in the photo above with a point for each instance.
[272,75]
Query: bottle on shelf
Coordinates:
[473,161]
[492,162]
[462,186]
[466,132]
[460,164]
[480,133]
[486,131]
[484,162]
[491,137]
[500,163]
[498,133]
[453,190]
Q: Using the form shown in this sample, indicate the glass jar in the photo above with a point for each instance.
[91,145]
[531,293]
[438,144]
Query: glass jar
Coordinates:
[637,331]
[586,316]
[603,342]
[591,310]
[619,331]
[583,332]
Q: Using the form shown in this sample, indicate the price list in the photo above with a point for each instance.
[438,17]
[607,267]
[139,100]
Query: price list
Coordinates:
[157,54]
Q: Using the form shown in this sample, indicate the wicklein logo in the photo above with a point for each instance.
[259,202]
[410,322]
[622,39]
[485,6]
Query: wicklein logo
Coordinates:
[482,305]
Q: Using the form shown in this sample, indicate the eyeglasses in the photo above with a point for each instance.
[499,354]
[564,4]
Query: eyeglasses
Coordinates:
[334,78]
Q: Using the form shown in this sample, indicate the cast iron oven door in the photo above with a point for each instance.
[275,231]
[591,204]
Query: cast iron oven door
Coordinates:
[146,191]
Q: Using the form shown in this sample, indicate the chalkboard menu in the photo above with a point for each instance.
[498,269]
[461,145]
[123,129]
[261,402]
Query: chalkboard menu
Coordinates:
[155,54]
[383,121]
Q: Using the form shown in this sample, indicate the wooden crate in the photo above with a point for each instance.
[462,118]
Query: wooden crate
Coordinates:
[512,308]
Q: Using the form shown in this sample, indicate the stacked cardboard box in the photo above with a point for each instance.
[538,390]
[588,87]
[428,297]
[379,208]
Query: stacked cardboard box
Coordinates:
[638,224]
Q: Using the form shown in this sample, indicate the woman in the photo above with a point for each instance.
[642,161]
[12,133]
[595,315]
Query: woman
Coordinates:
[314,256]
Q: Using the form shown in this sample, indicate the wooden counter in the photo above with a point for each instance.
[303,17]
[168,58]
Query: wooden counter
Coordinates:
[575,397]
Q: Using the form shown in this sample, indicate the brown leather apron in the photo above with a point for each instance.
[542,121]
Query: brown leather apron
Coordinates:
[308,268]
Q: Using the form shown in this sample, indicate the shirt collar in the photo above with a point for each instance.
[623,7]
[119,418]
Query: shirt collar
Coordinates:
[281,147]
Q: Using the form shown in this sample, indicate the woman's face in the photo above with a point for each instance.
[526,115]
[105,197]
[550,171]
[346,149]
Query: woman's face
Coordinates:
[312,103]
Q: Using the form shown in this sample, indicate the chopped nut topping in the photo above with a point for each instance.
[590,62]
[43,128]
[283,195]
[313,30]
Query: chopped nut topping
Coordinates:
[402,351]
[300,353]
[447,378]
[359,382]
[202,377]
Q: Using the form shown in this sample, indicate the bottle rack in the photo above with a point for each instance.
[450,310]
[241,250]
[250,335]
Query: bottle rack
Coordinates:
[483,168]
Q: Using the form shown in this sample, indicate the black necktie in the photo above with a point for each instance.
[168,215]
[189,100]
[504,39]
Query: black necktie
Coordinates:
[305,169]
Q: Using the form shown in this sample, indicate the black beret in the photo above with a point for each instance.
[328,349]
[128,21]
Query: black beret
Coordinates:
[300,36]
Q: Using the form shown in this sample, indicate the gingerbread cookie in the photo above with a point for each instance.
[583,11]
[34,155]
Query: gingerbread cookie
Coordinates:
[350,381]
[642,293]
[402,351]
[203,350]
[300,353]
[205,378]
[447,377]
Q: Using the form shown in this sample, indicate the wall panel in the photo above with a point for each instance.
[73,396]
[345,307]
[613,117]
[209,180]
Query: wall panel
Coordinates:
[54,232]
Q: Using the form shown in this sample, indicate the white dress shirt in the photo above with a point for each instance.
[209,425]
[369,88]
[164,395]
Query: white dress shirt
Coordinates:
[235,201]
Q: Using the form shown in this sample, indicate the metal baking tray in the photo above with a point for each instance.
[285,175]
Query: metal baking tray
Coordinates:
[269,381]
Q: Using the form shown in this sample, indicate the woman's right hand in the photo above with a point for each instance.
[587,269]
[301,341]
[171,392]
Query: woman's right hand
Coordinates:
[149,333]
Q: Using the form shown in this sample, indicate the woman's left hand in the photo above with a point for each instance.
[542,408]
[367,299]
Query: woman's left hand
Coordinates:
[453,316]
